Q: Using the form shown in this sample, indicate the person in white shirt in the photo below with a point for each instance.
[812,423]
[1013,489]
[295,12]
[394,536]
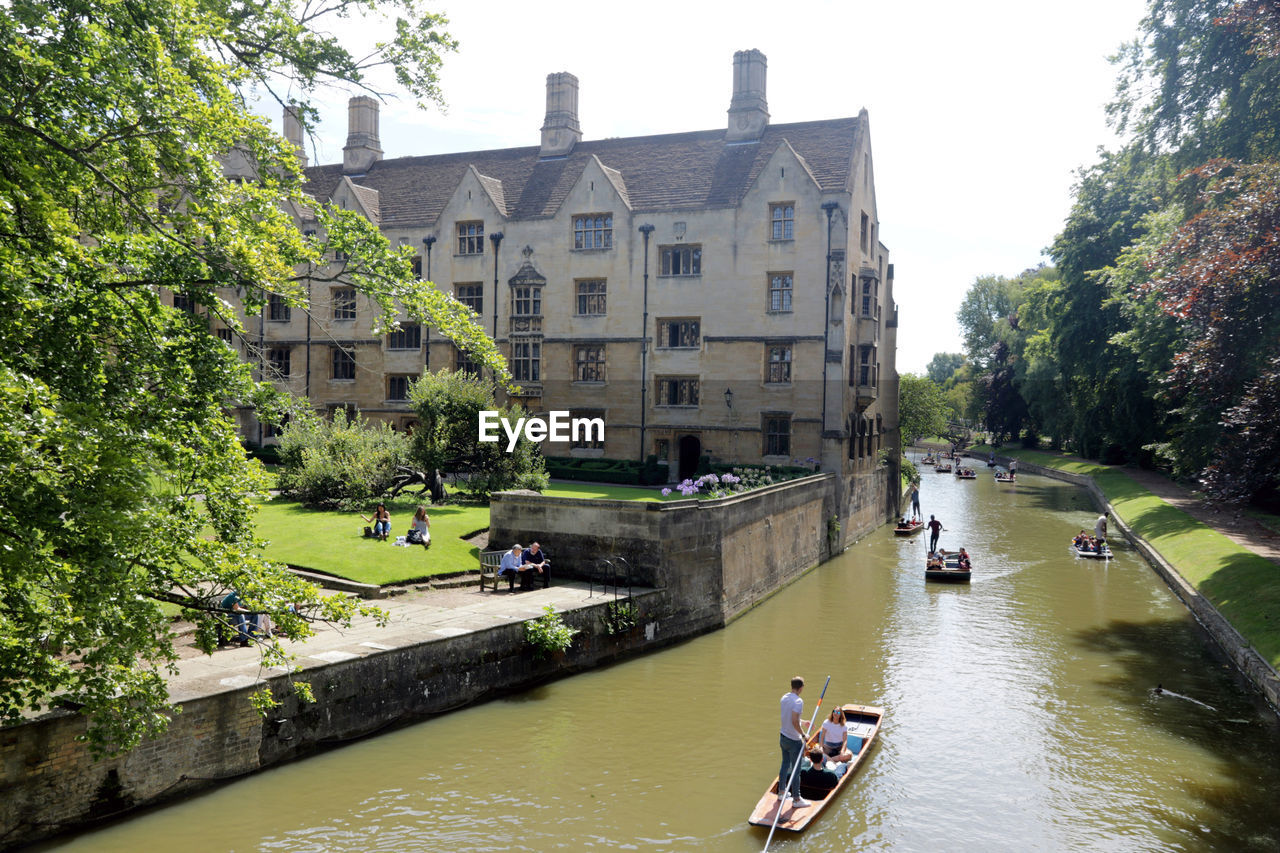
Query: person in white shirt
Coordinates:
[791,739]
[1100,531]
[835,737]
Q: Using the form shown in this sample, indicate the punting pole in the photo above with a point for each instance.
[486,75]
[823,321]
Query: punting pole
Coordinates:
[777,814]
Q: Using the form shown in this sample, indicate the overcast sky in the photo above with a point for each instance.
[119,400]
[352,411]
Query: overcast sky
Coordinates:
[980,112]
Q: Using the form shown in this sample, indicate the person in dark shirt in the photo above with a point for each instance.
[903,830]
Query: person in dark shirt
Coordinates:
[935,528]
[816,776]
[534,559]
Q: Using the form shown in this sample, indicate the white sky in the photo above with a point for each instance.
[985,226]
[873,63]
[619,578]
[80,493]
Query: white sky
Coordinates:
[980,112]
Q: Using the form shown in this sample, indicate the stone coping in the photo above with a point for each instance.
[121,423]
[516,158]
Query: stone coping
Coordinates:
[670,506]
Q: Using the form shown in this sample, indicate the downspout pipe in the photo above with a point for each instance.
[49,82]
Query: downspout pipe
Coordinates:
[496,239]
[829,208]
[427,242]
[646,230]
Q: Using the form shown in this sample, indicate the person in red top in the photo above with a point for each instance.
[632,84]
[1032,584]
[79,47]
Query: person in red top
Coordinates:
[935,528]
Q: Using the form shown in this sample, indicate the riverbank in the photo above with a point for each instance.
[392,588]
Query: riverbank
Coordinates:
[1225,572]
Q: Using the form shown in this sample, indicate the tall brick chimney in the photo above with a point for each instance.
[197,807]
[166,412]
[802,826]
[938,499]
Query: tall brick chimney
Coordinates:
[561,131]
[363,148]
[748,110]
[293,133]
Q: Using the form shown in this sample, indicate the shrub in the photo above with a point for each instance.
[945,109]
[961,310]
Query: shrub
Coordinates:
[548,634]
[338,463]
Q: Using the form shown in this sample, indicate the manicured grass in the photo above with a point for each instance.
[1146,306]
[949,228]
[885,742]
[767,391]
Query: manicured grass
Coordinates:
[593,491]
[332,542]
[1244,586]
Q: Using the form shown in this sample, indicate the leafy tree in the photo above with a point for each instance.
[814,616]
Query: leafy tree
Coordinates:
[340,462]
[447,440]
[943,366]
[1218,278]
[123,484]
[921,409]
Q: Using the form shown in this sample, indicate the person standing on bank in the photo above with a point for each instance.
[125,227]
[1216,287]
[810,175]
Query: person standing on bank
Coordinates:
[1100,531]
[791,739]
[935,528]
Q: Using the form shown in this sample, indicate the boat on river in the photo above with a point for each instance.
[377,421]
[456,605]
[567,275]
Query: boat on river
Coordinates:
[966,474]
[1091,554]
[1002,477]
[946,567]
[912,528]
[863,723]
[943,467]
[929,460]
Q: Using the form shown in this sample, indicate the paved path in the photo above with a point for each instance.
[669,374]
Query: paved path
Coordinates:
[417,617]
[1228,520]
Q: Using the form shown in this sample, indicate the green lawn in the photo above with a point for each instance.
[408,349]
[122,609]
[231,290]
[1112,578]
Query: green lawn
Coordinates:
[332,542]
[592,491]
[1242,585]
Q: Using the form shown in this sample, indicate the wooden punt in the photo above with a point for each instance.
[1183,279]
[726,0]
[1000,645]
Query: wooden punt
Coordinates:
[966,474]
[1006,478]
[863,723]
[929,460]
[943,469]
[1093,555]
[914,528]
[951,572]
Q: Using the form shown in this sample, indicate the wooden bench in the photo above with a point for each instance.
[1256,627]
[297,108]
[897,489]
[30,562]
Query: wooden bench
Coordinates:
[490,562]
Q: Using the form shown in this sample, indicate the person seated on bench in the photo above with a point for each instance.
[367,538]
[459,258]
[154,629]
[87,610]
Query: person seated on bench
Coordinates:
[512,561]
[534,560]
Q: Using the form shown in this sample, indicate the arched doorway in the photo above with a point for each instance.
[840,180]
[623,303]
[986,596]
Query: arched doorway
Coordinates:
[690,449]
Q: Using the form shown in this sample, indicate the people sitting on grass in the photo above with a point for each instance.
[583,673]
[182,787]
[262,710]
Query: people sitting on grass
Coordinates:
[420,529]
[534,560]
[381,522]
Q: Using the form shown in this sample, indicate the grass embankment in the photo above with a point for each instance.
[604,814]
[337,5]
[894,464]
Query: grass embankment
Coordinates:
[601,492]
[1244,586]
[333,542]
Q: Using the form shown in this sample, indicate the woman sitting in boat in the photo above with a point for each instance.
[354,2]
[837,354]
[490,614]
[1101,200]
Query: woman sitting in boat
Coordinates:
[936,561]
[904,524]
[834,737]
[1081,540]
[964,560]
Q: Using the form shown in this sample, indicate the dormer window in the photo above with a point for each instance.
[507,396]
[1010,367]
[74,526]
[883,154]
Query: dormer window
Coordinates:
[782,219]
[593,231]
[470,238]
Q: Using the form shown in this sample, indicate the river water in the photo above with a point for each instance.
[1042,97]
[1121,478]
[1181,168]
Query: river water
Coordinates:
[1020,715]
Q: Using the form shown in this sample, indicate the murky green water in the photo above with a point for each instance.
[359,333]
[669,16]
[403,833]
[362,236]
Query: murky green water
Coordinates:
[1020,716]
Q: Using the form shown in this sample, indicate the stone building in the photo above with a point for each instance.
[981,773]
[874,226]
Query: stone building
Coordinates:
[719,292]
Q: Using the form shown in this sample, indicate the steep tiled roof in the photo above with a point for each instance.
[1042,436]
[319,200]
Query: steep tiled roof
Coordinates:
[369,197]
[678,171]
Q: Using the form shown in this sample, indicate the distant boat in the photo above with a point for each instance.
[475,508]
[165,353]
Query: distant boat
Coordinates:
[1091,554]
[929,460]
[912,528]
[950,570]
[863,723]
[943,467]
[1002,477]
[966,474]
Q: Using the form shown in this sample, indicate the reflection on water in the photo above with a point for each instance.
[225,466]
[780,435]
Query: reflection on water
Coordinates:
[1021,714]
